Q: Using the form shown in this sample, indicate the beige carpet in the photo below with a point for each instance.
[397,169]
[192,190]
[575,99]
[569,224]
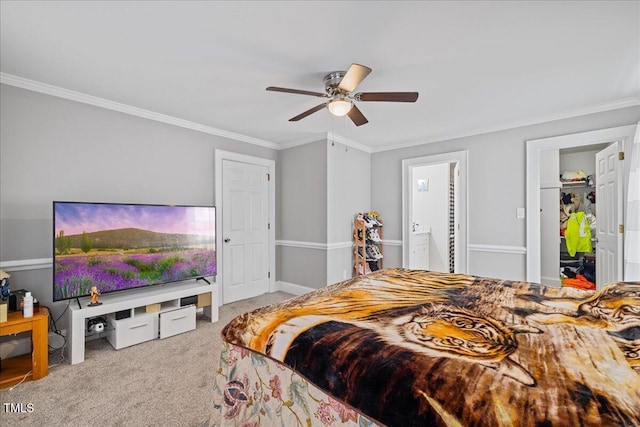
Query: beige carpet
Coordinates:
[158,383]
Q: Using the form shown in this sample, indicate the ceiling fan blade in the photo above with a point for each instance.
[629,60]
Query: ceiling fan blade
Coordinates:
[357,117]
[387,96]
[296,91]
[308,112]
[353,77]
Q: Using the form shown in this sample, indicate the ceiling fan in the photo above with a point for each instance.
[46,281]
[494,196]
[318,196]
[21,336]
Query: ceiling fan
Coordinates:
[338,87]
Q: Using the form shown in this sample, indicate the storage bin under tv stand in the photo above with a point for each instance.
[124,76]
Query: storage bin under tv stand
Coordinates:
[168,296]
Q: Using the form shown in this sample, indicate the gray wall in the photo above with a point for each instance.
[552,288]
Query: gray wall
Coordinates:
[302,183]
[302,180]
[55,149]
[322,188]
[497,166]
[348,177]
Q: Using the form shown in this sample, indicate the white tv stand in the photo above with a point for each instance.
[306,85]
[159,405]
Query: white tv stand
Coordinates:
[167,295]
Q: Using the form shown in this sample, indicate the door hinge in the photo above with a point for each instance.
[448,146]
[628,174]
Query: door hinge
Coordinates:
[621,155]
[268,177]
[269,275]
[268,226]
[621,228]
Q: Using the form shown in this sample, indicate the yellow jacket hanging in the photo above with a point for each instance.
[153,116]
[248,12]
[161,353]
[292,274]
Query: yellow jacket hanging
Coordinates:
[578,234]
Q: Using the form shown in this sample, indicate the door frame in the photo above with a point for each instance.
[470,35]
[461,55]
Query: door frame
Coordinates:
[459,157]
[219,157]
[534,147]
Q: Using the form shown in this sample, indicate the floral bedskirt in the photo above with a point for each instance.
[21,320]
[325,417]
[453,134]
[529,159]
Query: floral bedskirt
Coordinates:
[253,390]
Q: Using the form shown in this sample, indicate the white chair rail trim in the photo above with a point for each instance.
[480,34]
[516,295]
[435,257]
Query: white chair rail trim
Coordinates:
[26,264]
[500,249]
[42,263]
[327,246]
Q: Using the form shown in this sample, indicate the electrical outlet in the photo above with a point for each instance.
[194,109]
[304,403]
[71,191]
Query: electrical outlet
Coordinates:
[520,213]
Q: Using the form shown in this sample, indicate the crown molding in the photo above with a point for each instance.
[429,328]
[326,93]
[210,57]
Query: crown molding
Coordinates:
[593,109]
[348,142]
[128,109]
[298,142]
[59,92]
[329,137]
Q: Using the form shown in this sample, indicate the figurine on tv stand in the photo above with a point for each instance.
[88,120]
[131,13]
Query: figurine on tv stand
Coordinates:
[4,285]
[94,296]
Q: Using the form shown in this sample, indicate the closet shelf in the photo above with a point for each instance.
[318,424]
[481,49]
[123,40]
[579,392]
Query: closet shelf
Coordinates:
[571,184]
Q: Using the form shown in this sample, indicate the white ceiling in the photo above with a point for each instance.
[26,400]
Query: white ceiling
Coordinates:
[478,66]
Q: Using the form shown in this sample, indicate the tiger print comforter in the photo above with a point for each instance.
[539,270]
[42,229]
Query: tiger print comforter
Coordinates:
[418,348]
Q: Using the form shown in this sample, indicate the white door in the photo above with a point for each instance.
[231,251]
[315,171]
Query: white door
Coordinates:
[245,230]
[608,216]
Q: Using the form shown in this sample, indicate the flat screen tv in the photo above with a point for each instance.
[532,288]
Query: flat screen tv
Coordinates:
[116,246]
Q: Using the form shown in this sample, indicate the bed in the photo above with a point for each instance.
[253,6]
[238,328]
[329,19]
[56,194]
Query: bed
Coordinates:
[405,347]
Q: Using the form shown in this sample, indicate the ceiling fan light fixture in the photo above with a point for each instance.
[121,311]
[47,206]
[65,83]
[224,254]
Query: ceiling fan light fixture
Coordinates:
[339,106]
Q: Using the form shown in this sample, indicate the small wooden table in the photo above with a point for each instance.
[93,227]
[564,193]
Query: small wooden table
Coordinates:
[34,365]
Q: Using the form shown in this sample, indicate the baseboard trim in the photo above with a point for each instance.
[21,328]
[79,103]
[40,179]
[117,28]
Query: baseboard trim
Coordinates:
[552,281]
[292,288]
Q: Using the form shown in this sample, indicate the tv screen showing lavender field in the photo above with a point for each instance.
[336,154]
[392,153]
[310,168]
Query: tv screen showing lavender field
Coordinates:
[123,246]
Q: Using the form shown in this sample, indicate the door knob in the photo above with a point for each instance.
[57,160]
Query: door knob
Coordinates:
[227,240]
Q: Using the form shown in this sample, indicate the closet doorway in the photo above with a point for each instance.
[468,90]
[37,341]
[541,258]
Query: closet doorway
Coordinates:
[567,199]
[543,195]
[434,218]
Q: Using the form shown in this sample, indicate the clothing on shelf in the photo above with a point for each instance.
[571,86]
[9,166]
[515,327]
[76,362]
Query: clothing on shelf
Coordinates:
[571,176]
[570,203]
[580,282]
[579,273]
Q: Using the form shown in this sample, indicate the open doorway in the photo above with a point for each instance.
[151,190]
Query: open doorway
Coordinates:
[542,180]
[567,198]
[434,225]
